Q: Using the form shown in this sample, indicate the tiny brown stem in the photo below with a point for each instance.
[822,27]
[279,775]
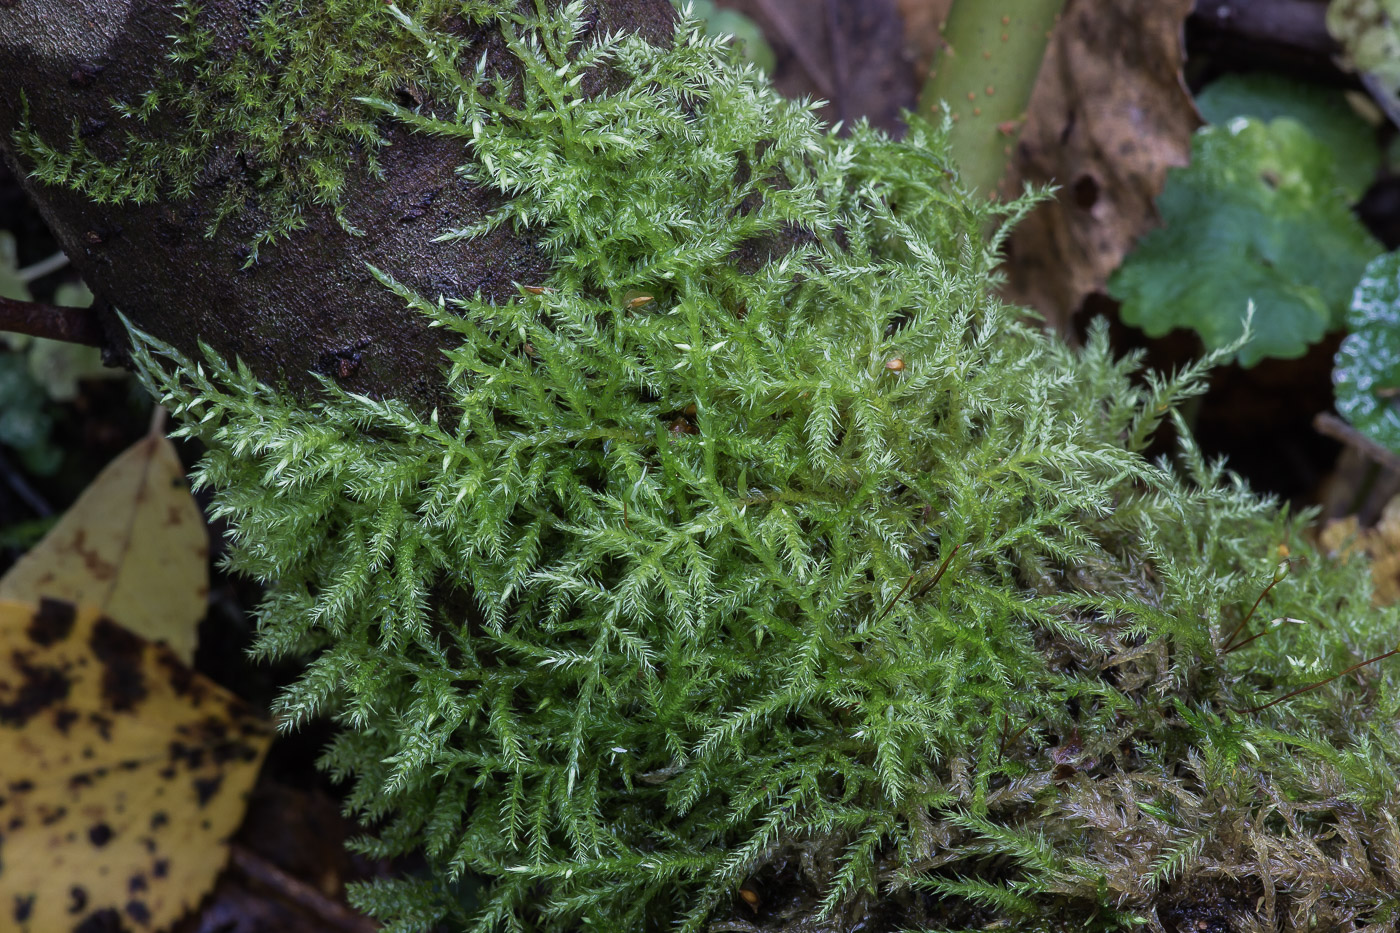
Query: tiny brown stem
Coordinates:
[1007,740]
[1255,636]
[336,915]
[890,605]
[942,569]
[70,325]
[1337,429]
[1321,683]
[1229,642]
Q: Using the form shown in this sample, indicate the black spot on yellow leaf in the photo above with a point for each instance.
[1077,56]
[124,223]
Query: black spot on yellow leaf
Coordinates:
[52,622]
[138,911]
[24,904]
[181,677]
[99,834]
[40,687]
[206,788]
[78,899]
[106,920]
[119,651]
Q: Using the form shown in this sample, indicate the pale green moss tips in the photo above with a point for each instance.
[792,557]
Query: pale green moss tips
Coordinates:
[704,594]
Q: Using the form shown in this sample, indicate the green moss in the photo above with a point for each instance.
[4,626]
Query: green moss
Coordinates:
[834,579]
[284,99]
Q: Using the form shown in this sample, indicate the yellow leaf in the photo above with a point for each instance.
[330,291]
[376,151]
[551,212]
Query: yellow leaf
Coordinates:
[124,773]
[134,544]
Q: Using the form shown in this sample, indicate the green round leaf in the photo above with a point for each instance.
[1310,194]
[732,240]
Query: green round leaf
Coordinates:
[1323,110]
[1367,374]
[1257,216]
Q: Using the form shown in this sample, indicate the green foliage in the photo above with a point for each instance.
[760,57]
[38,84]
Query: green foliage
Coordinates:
[1323,110]
[820,571]
[1369,31]
[1258,216]
[1367,374]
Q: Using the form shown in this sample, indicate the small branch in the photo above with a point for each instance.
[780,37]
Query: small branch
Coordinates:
[70,325]
[336,915]
[1230,642]
[1322,683]
[793,40]
[1337,429]
[43,267]
[20,487]
[1299,24]
[836,46]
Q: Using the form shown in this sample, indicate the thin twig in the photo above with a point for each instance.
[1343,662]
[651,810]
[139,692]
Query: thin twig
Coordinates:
[1298,24]
[1260,634]
[1321,683]
[1226,649]
[20,486]
[1337,429]
[70,325]
[890,605]
[793,40]
[942,569]
[298,892]
[43,267]
[836,46]
[1006,726]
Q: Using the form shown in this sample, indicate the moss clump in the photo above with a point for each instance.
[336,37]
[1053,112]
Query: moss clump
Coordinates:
[282,100]
[826,594]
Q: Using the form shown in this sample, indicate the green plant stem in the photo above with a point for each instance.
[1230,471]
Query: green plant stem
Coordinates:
[984,76]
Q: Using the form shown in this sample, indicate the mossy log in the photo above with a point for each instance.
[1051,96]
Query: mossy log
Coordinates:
[308,305]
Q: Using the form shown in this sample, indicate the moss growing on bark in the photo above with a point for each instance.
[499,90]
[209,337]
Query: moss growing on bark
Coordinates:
[283,97]
[796,589]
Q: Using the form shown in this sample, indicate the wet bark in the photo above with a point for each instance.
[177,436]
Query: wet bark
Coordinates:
[309,304]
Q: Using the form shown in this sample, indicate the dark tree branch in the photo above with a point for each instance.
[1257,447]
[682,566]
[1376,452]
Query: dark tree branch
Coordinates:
[1337,429]
[71,325]
[792,38]
[296,891]
[1298,24]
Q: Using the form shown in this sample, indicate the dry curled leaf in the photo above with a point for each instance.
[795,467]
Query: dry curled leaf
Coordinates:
[1344,537]
[1109,115]
[125,773]
[134,545]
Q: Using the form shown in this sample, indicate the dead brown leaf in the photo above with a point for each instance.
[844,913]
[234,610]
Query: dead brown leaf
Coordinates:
[1109,115]
[1344,537]
[125,774]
